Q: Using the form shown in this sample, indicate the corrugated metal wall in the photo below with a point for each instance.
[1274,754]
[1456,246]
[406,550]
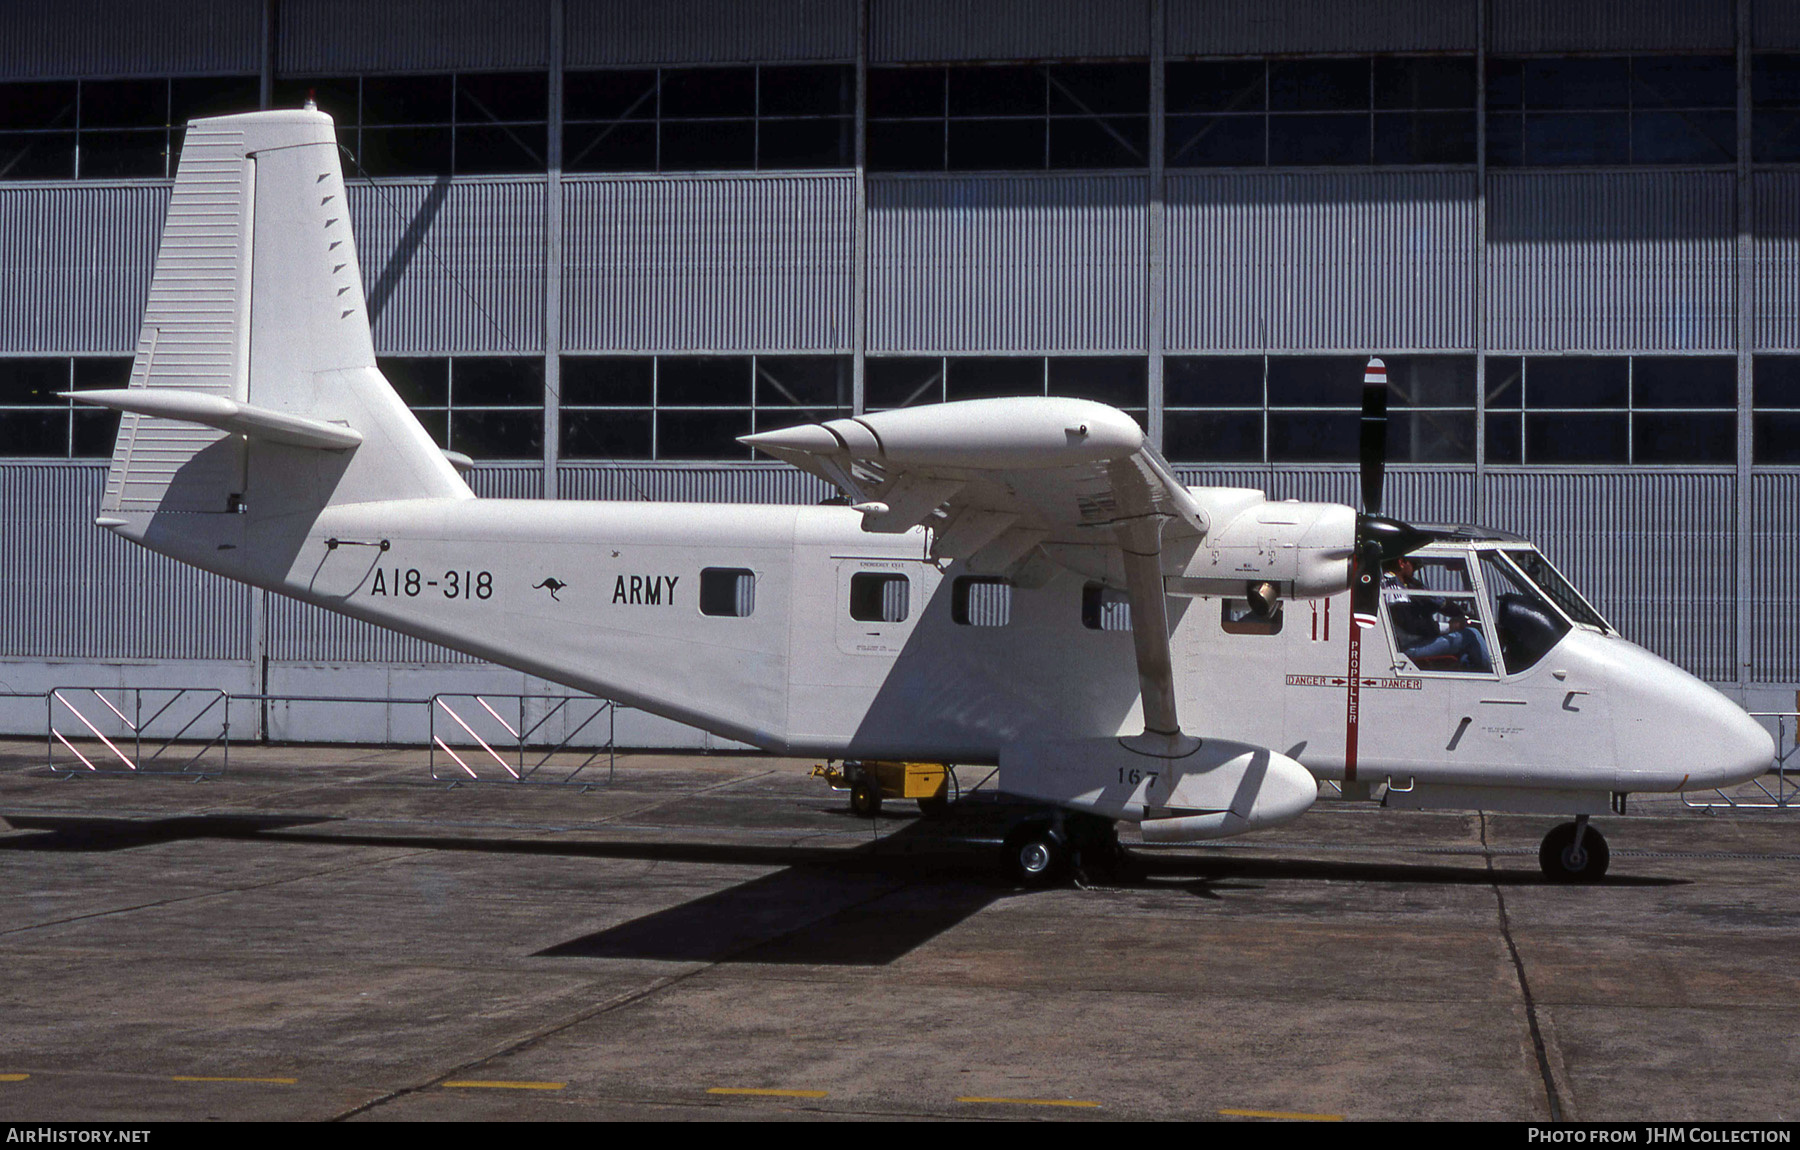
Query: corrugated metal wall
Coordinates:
[710,264]
[1005,263]
[412,35]
[704,31]
[1321,260]
[1611,25]
[76,591]
[1223,27]
[452,265]
[75,265]
[72,38]
[1415,494]
[1777,320]
[1656,552]
[901,30]
[1614,260]
[1775,578]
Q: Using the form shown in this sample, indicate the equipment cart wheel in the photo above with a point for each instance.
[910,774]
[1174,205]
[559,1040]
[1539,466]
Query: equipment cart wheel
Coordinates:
[865,798]
[1034,855]
[935,807]
[1563,860]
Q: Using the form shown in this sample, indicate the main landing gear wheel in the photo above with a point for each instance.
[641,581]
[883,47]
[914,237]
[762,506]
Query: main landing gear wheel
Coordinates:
[1563,861]
[936,806]
[1034,856]
[865,799]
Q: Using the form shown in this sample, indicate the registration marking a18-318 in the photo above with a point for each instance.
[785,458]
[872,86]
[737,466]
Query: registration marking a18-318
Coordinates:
[410,583]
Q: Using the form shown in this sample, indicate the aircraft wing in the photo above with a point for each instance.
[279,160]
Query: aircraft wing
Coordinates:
[997,478]
[994,478]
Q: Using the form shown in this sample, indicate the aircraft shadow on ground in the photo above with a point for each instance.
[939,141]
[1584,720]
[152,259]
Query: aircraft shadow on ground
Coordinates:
[863,906]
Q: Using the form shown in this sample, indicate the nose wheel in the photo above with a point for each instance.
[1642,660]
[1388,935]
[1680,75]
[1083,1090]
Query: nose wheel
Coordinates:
[1574,852]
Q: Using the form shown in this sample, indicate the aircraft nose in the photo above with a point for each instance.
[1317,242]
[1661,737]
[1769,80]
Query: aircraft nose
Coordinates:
[1676,733]
[1735,749]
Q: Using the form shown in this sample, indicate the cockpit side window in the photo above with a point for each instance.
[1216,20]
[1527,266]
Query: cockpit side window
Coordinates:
[1550,581]
[1528,626]
[1435,616]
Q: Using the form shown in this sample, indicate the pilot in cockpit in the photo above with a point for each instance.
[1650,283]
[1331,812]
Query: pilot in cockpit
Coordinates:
[1431,630]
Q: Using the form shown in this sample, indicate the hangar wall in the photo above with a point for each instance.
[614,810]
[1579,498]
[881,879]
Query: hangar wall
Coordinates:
[1154,263]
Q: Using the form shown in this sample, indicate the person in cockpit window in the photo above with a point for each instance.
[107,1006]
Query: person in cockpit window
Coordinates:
[1431,627]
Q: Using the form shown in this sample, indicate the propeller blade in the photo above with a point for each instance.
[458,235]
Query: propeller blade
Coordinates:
[1373,455]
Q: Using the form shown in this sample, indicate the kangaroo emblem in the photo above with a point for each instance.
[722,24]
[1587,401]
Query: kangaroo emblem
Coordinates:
[552,585]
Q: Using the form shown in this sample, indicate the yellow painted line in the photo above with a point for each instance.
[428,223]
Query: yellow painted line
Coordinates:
[1035,1101]
[14,1077]
[766,1093]
[195,1078]
[1285,1115]
[509,1085]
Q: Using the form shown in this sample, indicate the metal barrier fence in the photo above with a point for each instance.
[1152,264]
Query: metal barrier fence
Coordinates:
[130,730]
[186,732]
[522,726]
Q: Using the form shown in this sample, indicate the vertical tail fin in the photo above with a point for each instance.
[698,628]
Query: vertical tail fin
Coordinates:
[256,311]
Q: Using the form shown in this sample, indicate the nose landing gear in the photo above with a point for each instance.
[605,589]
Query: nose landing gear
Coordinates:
[1574,852]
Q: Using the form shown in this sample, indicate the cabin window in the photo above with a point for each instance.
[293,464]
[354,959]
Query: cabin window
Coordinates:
[1237,617]
[877,597]
[1435,617]
[1528,626]
[1104,609]
[981,601]
[727,591]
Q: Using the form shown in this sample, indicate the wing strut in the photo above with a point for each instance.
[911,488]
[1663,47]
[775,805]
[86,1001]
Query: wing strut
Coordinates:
[1140,540]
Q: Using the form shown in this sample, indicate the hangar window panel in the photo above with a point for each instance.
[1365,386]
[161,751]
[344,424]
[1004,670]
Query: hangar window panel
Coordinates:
[108,129]
[709,118]
[1776,422]
[1009,117]
[1611,409]
[1336,111]
[728,592]
[981,601]
[878,597]
[802,389]
[486,407]
[1611,111]
[433,124]
[989,377]
[902,381]
[1119,380]
[1306,409]
[36,421]
[1104,609]
[693,407]
[1775,107]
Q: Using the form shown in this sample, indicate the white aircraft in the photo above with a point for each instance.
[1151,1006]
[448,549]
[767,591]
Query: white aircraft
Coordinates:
[1020,582]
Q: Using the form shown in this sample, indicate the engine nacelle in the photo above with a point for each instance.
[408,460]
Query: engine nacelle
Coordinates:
[1304,549]
[1222,788]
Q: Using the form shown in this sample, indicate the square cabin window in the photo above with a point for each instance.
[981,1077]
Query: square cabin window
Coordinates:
[981,601]
[877,597]
[727,591]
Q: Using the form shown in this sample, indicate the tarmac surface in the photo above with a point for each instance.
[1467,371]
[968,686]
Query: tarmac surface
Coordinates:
[324,933]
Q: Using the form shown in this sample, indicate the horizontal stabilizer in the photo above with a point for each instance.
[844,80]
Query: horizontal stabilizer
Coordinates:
[226,415]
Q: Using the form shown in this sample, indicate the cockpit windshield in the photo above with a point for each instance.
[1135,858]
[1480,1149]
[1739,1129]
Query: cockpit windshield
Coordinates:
[1550,581]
